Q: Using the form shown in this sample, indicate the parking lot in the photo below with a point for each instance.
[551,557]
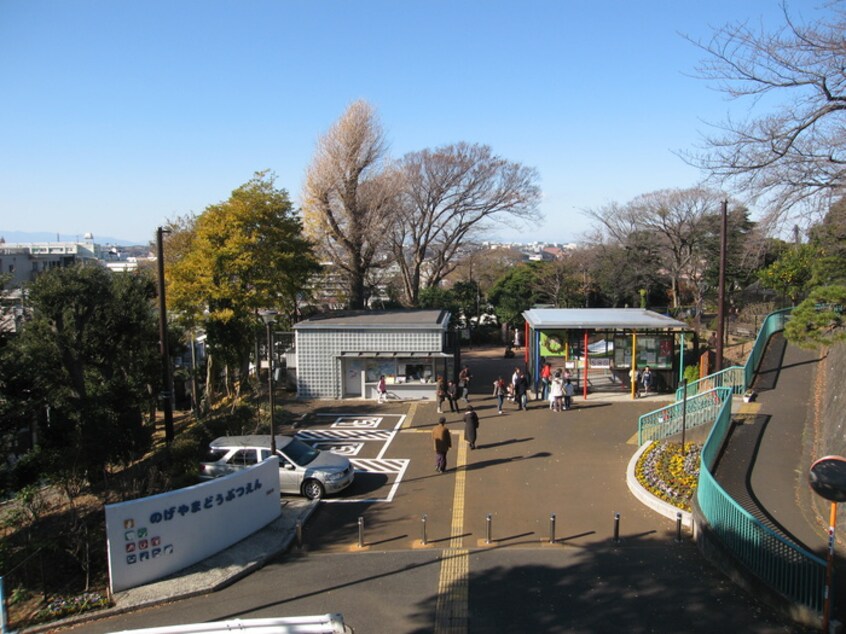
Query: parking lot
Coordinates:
[527,466]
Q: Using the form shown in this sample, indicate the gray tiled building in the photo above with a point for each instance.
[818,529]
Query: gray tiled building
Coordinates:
[342,355]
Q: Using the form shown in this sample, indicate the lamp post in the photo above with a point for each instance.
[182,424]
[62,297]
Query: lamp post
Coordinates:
[167,380]
[269,317]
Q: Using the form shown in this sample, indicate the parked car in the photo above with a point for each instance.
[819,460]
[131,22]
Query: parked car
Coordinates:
[303,470]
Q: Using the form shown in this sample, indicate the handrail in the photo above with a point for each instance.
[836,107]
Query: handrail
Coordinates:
[788,568]
[700,409]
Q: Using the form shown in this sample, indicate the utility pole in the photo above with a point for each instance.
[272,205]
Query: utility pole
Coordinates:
[167,381]
[721,303]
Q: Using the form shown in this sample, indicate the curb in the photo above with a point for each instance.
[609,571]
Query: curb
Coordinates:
[647,499]
[212,574]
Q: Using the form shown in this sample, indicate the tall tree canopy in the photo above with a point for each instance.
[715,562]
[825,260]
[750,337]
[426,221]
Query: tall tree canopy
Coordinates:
[240,256]
[449,195]
[791,150]
[85,366]
[349,196]
[674,227]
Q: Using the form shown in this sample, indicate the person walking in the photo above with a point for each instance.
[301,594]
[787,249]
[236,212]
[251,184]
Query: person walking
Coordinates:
[499,391]
[471,424]
[646,380]
[464,383]
[569,390]
[382,389]
[545,377]
[442,441]
[521,390]
[452,396]
[440,393]
[556,391]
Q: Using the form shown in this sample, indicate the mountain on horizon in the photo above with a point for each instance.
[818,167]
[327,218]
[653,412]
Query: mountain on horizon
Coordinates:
[15,237]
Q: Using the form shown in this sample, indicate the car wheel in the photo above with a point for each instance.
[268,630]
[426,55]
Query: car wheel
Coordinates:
[313,490]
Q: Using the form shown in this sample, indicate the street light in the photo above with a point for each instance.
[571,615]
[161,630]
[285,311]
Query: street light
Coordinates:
[167,378]
[269,317]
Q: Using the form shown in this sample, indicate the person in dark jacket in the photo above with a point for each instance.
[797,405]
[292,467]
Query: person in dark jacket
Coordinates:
[443,442]
[521,391]
[471,424]
[452,396]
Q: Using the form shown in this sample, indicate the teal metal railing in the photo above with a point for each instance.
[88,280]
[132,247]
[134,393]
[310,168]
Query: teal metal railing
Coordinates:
[733,377]
[739,377]
[793,571]
[700,409]
[788,568]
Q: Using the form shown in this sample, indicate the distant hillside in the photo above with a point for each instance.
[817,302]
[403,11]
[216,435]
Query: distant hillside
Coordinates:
[45,236]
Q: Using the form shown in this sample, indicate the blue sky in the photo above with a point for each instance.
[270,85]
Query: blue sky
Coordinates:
[117,116]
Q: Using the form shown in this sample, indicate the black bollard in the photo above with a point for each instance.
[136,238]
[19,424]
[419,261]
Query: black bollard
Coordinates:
[678,527]
[423,521]
[361,532]
[552,528]
[488,521]
[299,533]
[616,528]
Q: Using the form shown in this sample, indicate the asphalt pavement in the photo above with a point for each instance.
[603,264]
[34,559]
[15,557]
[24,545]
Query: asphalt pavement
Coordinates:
[489,559]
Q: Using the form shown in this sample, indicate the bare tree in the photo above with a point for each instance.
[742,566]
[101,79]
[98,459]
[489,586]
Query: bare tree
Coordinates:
[348,197]
[790,154]
[449,195]
[672,222]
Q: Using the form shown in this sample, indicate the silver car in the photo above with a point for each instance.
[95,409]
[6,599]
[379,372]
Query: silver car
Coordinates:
[303,470]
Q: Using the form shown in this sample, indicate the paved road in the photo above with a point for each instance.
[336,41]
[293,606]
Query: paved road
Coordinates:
[526,467]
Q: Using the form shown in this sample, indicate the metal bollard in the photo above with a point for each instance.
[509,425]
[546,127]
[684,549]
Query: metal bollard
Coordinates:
[299,533]
[552,528]
[360,532]
[678,527]
[616,528]
[488,520]
[423,521]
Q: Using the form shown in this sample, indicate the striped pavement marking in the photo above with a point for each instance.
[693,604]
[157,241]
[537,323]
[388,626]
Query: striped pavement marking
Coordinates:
[383,465]
[380,435]
[451,611]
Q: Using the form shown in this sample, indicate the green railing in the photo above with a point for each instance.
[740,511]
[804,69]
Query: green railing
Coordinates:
[700,409]
[739,377]
[733,377]
[786,567]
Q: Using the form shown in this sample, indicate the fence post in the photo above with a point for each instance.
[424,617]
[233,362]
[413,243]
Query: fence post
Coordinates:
[3,621]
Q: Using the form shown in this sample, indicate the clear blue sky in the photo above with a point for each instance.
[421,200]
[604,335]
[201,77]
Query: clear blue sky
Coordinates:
[116,116]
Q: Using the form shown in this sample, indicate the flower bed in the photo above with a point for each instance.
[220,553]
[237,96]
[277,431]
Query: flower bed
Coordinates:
[668,474]
[60,607]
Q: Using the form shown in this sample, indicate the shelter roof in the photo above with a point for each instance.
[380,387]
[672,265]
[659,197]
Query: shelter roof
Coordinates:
[378,320]
[600,318]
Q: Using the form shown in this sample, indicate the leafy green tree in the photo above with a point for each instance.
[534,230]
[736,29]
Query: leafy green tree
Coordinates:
[818,321]
[85,365]
[829,237]
[791,273]
[515,292]
[240,256]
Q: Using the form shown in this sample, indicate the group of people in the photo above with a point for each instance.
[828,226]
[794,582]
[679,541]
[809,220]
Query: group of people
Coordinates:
[451,391]
[443,439]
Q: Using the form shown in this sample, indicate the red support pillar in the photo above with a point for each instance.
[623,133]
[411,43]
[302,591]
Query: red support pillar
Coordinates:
[585,380]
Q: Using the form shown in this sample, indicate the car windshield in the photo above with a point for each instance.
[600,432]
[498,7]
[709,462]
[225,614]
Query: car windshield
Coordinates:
[299,453]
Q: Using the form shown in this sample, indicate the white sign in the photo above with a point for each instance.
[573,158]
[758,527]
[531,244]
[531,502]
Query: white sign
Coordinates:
[155,536]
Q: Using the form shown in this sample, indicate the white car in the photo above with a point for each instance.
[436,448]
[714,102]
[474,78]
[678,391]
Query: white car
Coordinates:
[303,470]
